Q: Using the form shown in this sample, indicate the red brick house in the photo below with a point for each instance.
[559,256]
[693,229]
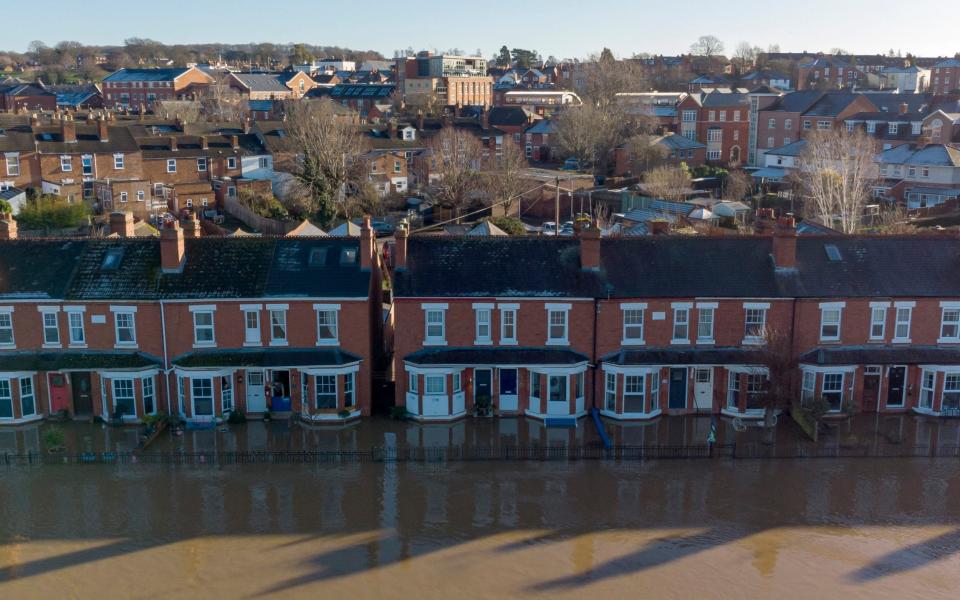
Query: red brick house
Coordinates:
[719,119]
[945,76]
[26,96]
[133,88]
[674,149]
[828,73]
[124,328]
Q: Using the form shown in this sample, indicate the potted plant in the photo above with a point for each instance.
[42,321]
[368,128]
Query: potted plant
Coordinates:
[53,439]
[344,413]
[236,417]
[266,415]
[483,406]
[399,413]
[175,424]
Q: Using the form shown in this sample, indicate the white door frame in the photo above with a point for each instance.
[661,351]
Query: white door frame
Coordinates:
[707,404]
[262,393]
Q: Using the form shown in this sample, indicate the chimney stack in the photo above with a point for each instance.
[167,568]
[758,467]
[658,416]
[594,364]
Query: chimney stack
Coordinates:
[904,108]
[173,143]
[484,118]
[590,249]
[34,120]
[191,227]
[121,223]
[8,227]
[391,129]
[247,126]
[204,144]
[235,142]
[172,248]
[400,248]
[102,131]
[368,244]
[785,243]
[68,130]
[420,120]
[764,222]
[142,115]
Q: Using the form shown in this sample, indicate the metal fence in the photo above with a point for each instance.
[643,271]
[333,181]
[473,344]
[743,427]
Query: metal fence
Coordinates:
[442,454]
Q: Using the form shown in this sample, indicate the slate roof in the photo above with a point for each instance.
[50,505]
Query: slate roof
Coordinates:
[720,100]
[940,155]
[362,90]
[890,102]
[49,139]
[508,115]
[686,356]
[448,266]
[675,141]
[882,355]
[37,269]
[17,139]
[495,356]
[192,145]
[225,267]
[791,149]
[271,357]
[126,75]
[832,104]
[263,82]
[950,62]
[73,359]
[24,89]
[797,102]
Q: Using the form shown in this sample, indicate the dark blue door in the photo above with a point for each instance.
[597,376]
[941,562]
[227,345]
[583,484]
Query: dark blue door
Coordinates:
[678,388]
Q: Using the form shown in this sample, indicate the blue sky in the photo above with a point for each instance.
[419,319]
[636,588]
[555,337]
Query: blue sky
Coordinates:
[567,28]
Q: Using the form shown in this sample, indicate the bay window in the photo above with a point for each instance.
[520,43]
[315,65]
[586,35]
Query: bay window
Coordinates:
[610,392]
[326,391]
[951,392]
[201,392]
[349,398]
[633,393]
[928,380]
[832,390]
[124,402]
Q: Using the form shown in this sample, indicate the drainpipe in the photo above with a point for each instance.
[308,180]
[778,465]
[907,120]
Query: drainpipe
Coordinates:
[166,368]
[593,359]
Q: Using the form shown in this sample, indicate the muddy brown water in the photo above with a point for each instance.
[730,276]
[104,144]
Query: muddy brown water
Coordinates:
[823,528]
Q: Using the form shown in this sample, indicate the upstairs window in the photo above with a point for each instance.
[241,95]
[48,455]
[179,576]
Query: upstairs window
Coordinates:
[950,322]
[6,328]
[681,324]
[125,328]
[633,323]
[557,324]
[171,165]
[75,328]
[202,164]
[327,327]
[278,325]
[705,318]
[202,326]
[830,314]
[508,323]
[878,322]
[901,332]
[755,322]
[435,327]
[51,328]
[482,325]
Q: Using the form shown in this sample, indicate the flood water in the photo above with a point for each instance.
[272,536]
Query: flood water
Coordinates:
[714,528]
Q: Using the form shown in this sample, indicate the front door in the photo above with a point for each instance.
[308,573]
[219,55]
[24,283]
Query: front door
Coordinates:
[678,389]
[59,394]
[280,396]
[896,378]
[703,389]
[256,398]
[871,389]
[82,395]
[507,400]
[483,390]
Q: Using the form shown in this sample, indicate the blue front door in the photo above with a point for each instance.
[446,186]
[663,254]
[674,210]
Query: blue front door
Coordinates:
[678,389]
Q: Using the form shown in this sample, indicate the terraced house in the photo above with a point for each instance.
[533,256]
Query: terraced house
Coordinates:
[641,327]
[122,328]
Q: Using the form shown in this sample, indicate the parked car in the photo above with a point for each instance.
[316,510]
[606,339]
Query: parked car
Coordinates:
[571,164]
[548,228]
[567,228]
[382,228]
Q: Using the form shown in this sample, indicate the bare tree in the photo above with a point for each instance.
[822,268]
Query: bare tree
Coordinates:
[606,77]
[507,173]
[778,358]
[185,111]
[221,102]
[328,156]
[645,153]
[458,156]
[707,45]
[669,183]
[737,185]
[838,172]
[590,132]
[745,57]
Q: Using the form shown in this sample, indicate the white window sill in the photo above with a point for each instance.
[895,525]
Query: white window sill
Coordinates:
[275,343]
[508,342]
[831,340]
[8,346]
[205,345]
[680,342]
[753,341]
[126,346]
[558,343]
[633,342]
[252,344]
[52,346]
[706,342]
[77,346]
[482,342]
[925,411]
[328,343]
[948,340]
[900,341]
[434,342]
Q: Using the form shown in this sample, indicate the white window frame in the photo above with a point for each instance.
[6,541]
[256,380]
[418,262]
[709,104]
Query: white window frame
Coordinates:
[483,324]
[248,338]
[558,309]
[508,324]
[201,164]
[900,309]
[680,325]
[610,392]
[125,311]
[279,311]
[198,312]
[152,394]
[706,316]
[763,308]
[115,388]
[118,162]
[324,311]
[878,318]
[231,162]
[171,165]
[50,312]
[12,160]
[842,388]
[74,324]
[954,322]
[66,164]
[633,317]
[633,378]
[439,325]
[28,390]
[927,389]
[434,385]
[6,324]
[349,389]
[328,385]
[828,310]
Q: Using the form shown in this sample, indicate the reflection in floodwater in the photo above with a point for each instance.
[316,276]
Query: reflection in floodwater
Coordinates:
[882,528]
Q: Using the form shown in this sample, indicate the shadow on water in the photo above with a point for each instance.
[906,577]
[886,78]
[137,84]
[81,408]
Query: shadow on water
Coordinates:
[910,557]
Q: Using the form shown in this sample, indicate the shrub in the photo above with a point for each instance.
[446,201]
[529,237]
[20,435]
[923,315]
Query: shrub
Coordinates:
[265,205]
[53,437]
[237,417]
[399,413]
[511,225]
[51,212]
[343,414]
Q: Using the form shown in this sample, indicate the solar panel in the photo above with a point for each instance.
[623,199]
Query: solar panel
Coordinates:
[833,253]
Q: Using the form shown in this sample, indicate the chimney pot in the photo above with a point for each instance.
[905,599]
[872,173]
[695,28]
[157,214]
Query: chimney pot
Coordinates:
[191,226]
[400,248]
[590,249]
[68,130]
[367,244]
[173,143]
[785,243]
[103,131]
[172,247]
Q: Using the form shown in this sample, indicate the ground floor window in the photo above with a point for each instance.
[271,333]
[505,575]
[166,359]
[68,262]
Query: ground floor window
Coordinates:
[733,391]
[655,392]
[348,390]
[435,384]
[578,385]
[6,400]
[124,401]
[927,382]
[326,386]
[558,388]
[832,390]
[951,392]
[28,405]
[756,391]
[201,390]
[226,393]
[633,393]
[534,386]
[149,396]
[610,392]
[808,387]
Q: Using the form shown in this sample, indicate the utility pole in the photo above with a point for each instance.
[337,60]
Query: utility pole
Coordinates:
[556,222]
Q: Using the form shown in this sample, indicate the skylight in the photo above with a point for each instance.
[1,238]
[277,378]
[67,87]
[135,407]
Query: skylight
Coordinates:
[348,256]
[833,253]
[318,257]
[111,260]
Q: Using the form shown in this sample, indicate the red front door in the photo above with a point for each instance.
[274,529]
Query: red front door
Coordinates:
[59,393]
